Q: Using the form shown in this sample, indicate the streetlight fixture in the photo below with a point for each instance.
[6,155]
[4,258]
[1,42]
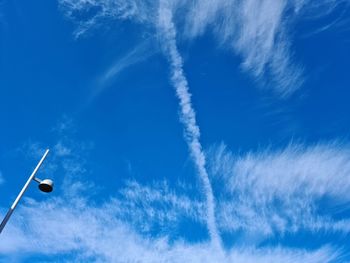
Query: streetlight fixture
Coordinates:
[44,185]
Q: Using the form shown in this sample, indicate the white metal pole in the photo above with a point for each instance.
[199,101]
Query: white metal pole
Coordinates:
[31,177]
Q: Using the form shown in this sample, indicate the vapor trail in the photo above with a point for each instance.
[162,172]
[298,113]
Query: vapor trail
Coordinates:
[187,115]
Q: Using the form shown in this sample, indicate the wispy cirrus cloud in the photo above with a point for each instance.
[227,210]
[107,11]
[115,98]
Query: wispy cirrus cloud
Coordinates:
[257,31]
[260,33]
[88,13]
[87,232]
[158,207]
[254,30]
[138,54]
[283,191]
[267,193]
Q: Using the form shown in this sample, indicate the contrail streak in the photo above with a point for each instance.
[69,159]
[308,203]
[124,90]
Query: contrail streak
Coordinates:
[187,115]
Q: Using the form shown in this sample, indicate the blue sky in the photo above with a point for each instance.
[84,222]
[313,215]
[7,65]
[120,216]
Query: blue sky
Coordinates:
[180,131]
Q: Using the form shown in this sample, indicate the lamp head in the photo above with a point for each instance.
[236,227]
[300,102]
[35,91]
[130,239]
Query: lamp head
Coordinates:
[46,185]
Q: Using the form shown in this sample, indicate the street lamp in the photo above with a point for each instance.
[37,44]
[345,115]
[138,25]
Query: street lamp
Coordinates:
[44,185]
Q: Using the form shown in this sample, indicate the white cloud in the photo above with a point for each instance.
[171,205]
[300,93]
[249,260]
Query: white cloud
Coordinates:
[89,13]
[275,192]
[64,126]
[137,54]
[254,30]
[264,193]
[257,31]
[158,208]
[61,150]
[98,233]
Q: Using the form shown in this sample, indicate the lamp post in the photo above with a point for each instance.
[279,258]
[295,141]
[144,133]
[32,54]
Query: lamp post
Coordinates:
[44,185]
